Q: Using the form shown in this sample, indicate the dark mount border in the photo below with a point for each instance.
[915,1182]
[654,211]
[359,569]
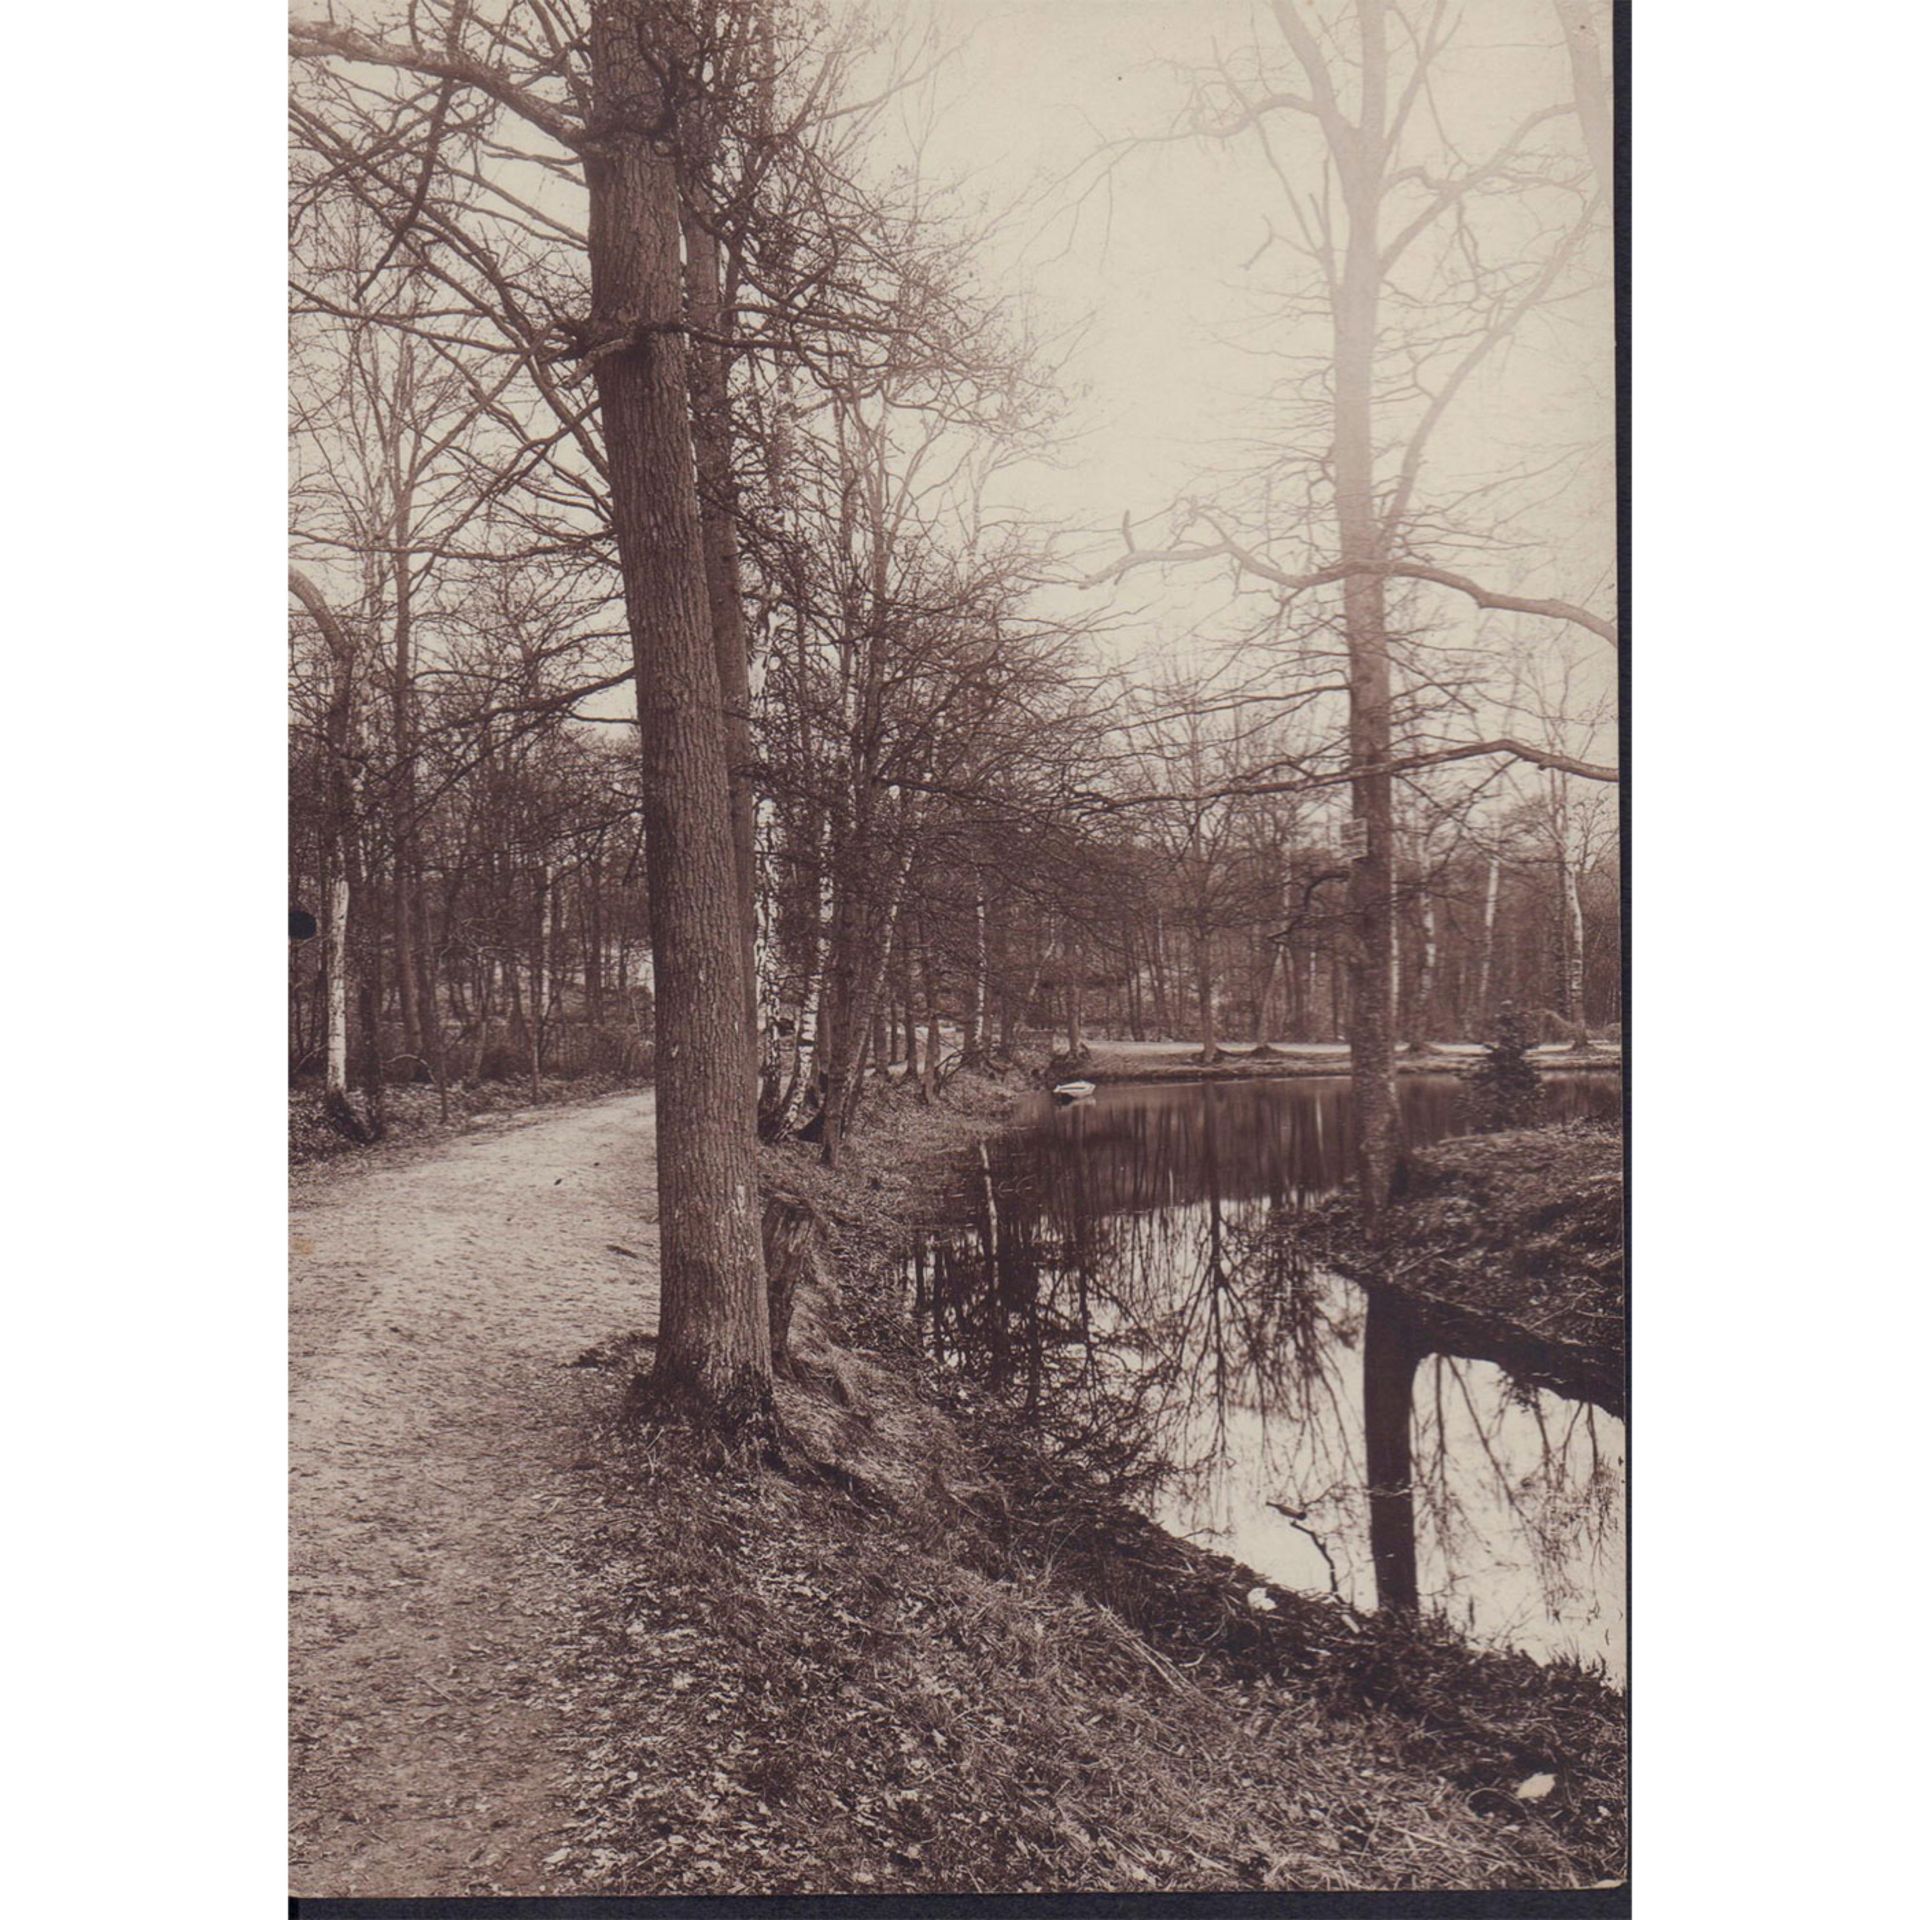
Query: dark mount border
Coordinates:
[1496,1904]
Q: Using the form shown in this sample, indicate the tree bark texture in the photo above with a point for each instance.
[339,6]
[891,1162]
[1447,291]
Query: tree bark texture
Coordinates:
[714,1355]
[720,553]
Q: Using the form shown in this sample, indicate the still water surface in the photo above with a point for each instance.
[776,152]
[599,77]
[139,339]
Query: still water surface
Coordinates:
[1130,1265]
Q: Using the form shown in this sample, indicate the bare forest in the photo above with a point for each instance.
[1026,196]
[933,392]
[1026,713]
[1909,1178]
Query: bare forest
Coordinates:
[954,697]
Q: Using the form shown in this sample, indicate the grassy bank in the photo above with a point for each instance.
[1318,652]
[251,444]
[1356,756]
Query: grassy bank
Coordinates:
[1519,1234]
[919,1657]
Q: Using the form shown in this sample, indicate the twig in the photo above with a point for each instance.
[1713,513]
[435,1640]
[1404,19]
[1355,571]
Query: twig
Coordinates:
[1298,1521]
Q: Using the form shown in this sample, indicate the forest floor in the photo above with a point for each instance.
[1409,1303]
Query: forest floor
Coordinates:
[538,1650]
[1125,1061]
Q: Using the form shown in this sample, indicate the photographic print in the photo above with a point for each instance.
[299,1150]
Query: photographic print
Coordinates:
[956,950]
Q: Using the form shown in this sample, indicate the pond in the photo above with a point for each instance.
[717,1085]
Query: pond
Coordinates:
[1130,1266]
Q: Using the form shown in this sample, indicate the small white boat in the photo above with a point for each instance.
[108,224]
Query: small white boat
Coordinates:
[1073,1090]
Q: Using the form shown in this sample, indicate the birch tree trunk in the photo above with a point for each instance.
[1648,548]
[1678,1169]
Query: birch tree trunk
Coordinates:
[930,1061]
[339,899]
[537,970]
[1576,937]
[907,1012]
[1483,995]
[342,737]
[1426,959]
[976,1041]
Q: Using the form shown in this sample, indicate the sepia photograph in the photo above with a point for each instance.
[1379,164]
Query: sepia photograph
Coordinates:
[956,1018]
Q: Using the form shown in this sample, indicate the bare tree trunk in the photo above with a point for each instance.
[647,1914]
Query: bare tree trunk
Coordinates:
[1157,972]
[406,839]
[796,1064]
[339,899]
[1075,1044]
[1483,995]
[1039,975]
[714,1356]
[720,550]
[484,1019]
[1576,950]
[906,1005]
[1136,1029]
[1370,904]
[371,1070]
[343,811]
[1269,993]
[537,969]
[593,918]
[1580,28]
[862,951]
[1203,984]
[427,965]
[1426,960]
[930,1063]
[975,1046]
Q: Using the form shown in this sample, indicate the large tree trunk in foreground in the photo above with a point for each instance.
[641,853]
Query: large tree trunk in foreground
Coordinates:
[714,1357]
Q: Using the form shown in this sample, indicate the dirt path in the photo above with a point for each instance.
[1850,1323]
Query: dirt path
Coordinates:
[437,1297]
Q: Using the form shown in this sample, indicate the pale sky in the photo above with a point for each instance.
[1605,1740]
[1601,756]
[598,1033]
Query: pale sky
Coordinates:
[1156,256]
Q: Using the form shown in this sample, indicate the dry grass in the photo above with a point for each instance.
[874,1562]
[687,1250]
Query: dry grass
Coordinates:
[795,1691]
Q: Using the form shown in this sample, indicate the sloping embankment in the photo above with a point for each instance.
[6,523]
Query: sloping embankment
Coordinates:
[1017,1685]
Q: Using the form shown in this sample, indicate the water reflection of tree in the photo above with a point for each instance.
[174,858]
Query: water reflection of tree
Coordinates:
[1565,1506]
[1153,1308]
